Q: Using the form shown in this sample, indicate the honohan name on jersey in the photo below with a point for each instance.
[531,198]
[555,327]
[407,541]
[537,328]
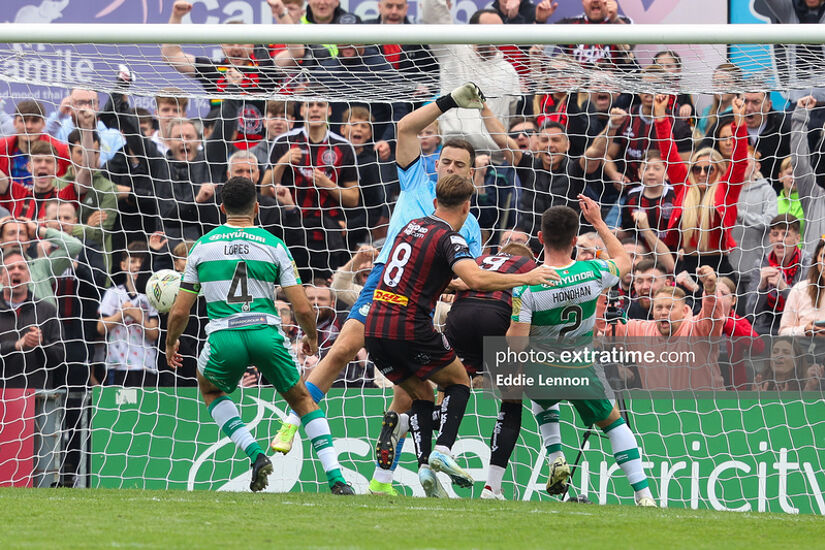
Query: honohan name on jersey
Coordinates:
[567,308]
[572,294]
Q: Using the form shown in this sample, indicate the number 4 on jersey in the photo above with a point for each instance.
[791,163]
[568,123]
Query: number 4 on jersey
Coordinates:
[239,278]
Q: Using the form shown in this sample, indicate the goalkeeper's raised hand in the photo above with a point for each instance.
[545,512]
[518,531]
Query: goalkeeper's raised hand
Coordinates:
[466,96]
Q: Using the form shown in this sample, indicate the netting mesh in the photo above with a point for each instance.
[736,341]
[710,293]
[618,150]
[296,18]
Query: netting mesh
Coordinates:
[68,65]
[166,142]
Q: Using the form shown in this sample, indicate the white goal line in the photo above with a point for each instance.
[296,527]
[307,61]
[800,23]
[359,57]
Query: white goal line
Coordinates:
[410,34]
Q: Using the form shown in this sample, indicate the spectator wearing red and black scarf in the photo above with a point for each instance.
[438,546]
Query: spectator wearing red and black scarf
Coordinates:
[782,267]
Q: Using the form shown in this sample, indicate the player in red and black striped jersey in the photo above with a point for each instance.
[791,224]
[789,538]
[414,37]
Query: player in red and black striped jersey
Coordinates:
[476,314]
[399,332]
[417,273]
[473,317]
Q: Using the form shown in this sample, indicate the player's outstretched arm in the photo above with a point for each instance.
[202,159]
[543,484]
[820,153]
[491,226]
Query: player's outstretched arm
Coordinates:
[488,281]
[592,213]
[305,316]
[178,318]
[467,96]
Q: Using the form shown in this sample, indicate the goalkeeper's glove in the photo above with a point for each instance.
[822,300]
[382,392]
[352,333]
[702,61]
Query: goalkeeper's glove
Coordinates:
[467,96]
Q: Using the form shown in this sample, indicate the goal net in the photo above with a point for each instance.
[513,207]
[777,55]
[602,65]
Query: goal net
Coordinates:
[87,398]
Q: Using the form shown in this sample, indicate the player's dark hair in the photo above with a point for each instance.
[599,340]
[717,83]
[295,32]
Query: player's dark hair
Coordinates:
[517,249]
[647,265]
[457,143]
[239,196]
[476,17]
[788,222]
[74,137]
[559,224]
[453,190]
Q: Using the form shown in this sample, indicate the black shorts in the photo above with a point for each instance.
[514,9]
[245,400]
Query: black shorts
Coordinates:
[468,322]
[401,359]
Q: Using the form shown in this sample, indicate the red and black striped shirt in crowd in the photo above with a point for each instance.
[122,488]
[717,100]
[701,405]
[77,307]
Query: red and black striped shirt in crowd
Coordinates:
[592,54]
[636,135]
[333,155]
[658,209]
[419,269]
[501,263]
[23,202]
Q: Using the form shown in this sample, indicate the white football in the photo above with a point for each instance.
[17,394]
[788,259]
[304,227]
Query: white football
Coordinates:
[162,289]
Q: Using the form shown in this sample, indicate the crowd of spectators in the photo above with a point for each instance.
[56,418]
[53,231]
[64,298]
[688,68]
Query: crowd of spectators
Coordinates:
[95,199]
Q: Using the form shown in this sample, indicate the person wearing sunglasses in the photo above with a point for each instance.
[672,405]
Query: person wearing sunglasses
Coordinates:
[707,190]
[524,131]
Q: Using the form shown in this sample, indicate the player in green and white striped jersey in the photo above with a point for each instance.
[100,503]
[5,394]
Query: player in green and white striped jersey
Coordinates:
[566,311]
[237,267]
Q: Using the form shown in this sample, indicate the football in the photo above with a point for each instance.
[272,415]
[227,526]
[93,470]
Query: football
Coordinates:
[162,288]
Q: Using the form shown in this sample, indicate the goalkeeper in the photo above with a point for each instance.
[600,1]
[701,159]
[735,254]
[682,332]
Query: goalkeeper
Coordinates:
[237,266]
[415,201]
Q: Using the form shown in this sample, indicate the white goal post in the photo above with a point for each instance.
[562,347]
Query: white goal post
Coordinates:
[413,34]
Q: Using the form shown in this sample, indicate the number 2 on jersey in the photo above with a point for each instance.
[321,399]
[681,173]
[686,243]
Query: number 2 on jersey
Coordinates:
[239,279]
[395,269]
[572,315]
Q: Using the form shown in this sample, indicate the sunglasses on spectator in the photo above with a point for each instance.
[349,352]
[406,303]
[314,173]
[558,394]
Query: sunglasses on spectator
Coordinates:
[515,134]
[700,169]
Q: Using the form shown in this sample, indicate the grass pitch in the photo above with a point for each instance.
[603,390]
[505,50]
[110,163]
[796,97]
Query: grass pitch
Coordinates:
[65,518]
